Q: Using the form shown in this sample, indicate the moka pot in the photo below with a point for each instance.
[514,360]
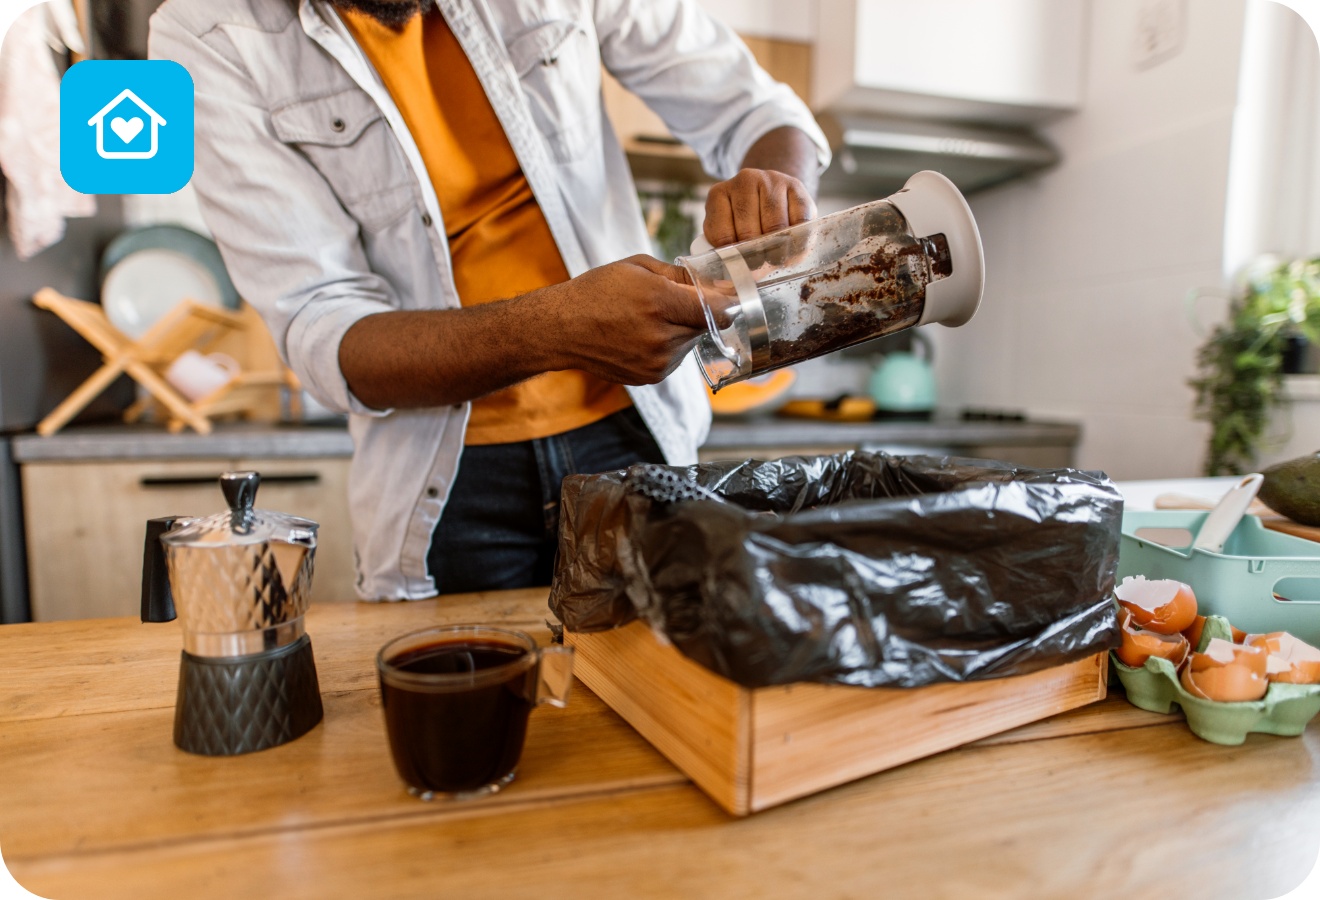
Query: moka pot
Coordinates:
[240,584]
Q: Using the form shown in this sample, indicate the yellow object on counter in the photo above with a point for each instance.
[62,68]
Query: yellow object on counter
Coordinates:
[752,394]
[844,409]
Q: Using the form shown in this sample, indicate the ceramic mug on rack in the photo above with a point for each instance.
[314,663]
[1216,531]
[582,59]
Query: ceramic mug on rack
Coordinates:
[196,376]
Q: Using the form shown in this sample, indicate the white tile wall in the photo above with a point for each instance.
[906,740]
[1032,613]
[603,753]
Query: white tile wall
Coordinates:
[1088,267]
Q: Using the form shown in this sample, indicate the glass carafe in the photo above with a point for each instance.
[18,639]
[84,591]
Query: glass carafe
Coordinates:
[781,298]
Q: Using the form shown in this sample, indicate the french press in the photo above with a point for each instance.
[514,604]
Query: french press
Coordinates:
[911,259]
[240,583]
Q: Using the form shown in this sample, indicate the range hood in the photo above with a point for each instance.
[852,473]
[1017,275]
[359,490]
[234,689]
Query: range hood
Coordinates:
[874,155]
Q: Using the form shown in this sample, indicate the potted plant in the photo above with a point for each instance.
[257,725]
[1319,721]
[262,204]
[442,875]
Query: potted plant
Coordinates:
[1240,377]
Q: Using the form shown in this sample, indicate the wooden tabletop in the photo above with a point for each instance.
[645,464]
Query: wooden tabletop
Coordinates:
[95,801]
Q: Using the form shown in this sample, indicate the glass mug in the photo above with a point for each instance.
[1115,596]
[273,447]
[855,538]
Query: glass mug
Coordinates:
[456,702]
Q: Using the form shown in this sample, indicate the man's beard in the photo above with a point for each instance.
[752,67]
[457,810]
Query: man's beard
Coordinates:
[393,14]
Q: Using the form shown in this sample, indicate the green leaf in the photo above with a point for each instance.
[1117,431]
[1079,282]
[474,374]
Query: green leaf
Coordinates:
[1239,378]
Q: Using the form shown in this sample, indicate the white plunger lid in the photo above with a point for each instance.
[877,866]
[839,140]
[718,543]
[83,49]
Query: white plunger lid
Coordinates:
[933,205]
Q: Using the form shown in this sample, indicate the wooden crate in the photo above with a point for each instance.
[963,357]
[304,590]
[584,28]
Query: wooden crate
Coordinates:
[753,749]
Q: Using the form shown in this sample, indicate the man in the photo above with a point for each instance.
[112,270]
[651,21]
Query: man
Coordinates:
[427,204]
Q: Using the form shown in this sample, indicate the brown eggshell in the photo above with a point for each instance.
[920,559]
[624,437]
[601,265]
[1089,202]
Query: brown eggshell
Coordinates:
[1140,645]
[1191,686]
[1227,672]
[1162,605]
[1291,661]
[1219,652]
[1193,632]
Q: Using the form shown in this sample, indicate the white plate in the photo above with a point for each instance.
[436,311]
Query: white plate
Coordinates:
[147,284]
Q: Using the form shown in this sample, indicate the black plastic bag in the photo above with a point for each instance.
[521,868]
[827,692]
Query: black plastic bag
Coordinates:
[858,568]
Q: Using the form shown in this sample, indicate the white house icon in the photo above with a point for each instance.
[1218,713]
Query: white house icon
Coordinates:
[126,129]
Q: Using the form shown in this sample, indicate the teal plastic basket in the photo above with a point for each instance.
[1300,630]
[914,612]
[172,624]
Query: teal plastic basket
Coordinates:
[1263,581]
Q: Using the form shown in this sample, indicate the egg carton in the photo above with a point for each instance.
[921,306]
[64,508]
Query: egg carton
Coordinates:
[1284,710]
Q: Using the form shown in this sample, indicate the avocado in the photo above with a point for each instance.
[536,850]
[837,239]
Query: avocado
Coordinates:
[1292,489]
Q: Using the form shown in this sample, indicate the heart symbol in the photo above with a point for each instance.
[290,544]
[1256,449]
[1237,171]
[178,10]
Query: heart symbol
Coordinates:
[127,129]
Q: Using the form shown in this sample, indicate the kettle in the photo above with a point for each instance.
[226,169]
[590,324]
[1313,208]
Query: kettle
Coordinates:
[903,385]
[239,582]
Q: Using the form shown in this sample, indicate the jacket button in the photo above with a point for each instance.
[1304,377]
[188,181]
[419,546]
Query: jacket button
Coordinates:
[426,219]
[338,125]
[433,492]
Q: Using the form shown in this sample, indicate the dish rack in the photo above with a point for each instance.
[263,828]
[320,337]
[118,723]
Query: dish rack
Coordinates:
[1263,580]
[255,393]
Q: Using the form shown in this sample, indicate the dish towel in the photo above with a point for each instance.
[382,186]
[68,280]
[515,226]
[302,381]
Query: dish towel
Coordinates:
[37,201]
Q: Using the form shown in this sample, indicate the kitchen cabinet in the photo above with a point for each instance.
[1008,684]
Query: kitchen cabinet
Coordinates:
[88,491]
[1055,456]
[85,523]
[1008,61]
[1046,445]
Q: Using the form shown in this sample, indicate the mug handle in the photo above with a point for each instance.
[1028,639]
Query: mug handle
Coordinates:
[554,675]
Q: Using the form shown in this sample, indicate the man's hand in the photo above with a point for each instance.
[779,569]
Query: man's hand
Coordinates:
[774,190]
[630,322]
[755,202]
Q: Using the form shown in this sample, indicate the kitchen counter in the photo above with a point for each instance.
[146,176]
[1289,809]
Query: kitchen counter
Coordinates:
[1104,801]
[145,442]
[773,431]
[137,442]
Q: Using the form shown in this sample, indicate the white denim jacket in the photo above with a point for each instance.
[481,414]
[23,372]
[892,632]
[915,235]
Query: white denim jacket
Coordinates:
[317,195]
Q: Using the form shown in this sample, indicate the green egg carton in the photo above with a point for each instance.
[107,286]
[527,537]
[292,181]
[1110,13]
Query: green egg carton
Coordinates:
[1246,583]
[1285,709]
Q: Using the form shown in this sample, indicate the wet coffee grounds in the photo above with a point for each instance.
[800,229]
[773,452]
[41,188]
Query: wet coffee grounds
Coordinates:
[895,276]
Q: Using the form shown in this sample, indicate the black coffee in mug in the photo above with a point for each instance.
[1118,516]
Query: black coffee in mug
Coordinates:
[456,711]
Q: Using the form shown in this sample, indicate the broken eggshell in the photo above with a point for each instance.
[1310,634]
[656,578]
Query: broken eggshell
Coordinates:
[1227,672]
[1139,644]
[1155,686]
[1290,661]
[1162,605]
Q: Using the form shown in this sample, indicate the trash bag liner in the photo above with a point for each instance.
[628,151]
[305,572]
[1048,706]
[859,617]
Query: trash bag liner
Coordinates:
[858,568]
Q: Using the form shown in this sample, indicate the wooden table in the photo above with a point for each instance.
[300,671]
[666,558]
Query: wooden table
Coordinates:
[95,801]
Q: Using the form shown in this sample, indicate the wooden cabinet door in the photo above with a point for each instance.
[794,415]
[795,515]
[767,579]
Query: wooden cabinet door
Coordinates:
[86,521]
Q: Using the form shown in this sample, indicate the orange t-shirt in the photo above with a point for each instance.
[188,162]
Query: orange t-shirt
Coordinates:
[499,241]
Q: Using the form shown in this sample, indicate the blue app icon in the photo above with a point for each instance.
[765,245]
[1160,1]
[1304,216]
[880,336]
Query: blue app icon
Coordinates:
[126,127]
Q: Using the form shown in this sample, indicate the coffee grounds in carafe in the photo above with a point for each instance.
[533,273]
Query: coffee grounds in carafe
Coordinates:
[895,274]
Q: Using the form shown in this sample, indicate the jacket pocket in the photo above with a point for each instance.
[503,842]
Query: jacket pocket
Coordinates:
[558,65]
[346,137]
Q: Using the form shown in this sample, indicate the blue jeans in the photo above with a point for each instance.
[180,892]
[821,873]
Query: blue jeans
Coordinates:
[500,527]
